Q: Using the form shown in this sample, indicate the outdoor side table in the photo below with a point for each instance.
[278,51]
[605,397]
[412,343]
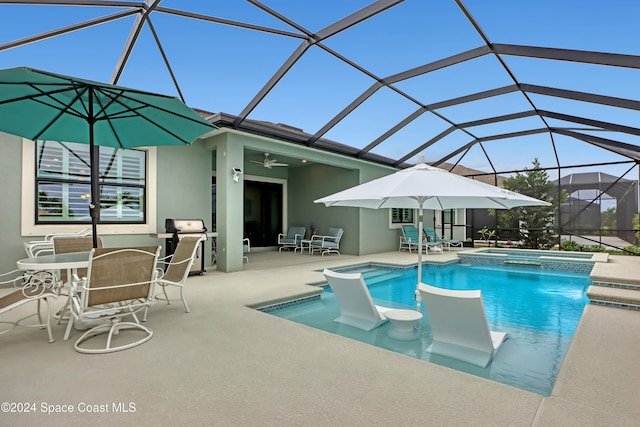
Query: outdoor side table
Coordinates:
[405,324]
[305,244]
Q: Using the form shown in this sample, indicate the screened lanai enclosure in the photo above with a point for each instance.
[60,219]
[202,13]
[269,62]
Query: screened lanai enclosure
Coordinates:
[480,88]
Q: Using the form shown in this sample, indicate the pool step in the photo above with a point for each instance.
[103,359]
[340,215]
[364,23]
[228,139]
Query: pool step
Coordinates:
[373,277]
[627,297]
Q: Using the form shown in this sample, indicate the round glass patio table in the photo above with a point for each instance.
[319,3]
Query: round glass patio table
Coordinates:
[68,261]
[71,262]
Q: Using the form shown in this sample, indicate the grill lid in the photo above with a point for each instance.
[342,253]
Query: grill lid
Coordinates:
[182,226]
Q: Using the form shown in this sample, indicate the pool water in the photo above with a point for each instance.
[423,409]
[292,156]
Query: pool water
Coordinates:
[540,310]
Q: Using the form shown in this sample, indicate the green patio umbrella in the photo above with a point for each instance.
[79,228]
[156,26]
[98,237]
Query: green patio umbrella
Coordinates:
[40,105]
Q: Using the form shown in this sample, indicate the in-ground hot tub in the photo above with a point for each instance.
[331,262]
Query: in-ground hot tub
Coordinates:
[579,262]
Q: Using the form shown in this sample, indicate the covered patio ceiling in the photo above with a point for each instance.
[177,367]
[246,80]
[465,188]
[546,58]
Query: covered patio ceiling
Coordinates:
[489,86]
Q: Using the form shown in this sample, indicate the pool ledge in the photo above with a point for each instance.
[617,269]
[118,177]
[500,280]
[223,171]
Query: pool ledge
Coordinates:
[565,255]
[616,283]
[578,262]
[621,269]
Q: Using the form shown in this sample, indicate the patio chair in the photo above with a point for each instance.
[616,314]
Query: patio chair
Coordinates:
[120,283]
[410,240]
[434,237]
[329,243]
[66,244]
[176,268]
[36,248]
[29,287]
[292,239]
[356,305]
[246,248]
[459,325]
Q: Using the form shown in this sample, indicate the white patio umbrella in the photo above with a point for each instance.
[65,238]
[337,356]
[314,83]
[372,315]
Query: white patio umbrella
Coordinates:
[427,187]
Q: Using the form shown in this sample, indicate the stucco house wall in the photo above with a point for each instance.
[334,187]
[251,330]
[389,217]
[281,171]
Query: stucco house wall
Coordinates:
[182,180]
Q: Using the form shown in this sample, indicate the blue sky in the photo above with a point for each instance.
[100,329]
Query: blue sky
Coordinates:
[220,68]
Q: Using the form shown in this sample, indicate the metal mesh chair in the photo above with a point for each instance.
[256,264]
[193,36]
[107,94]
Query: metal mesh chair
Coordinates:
[66,244]
[36,248]
[177,268]
[120,283]
[36,287]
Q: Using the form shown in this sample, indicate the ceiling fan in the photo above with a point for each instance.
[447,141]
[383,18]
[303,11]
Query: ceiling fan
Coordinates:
[268,163]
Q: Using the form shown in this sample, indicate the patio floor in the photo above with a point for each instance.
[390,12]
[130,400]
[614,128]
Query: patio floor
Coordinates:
[225,364]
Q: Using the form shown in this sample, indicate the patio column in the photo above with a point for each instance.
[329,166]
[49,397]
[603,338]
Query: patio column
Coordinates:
[230,205]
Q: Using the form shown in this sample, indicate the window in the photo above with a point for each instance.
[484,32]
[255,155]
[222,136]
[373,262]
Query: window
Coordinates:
[401,216]
[139,195]
[63,184]
[449,216]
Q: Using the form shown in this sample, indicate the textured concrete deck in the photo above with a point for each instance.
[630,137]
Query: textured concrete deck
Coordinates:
[228,365]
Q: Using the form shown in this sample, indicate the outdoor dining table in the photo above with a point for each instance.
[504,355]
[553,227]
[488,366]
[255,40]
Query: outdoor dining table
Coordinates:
[71,262]
[67,261]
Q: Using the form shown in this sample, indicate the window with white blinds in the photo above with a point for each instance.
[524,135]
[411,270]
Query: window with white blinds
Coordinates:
[63,192]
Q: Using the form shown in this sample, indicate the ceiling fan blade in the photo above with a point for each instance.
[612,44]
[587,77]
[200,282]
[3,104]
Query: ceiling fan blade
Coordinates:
[279,164]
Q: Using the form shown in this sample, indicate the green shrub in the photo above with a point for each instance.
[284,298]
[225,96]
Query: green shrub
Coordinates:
[633,249]
[569,245]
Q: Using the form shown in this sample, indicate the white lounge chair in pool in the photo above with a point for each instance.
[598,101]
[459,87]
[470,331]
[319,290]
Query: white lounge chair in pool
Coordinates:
[459,325]
[356,305]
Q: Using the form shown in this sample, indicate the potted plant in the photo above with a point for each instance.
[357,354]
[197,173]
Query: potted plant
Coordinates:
[468,243]
[487,234]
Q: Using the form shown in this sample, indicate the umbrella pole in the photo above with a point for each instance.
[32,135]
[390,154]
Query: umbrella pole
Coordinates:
[420,223]
[94,207]
[95,190]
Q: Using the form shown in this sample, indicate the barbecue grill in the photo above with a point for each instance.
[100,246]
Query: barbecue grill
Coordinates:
[180,228]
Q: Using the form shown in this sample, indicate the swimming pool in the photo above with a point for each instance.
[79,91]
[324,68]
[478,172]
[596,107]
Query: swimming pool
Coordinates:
[540,310]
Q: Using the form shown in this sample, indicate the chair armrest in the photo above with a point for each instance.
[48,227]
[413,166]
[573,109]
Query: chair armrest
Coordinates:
[13,277]
[165,258]
[248,243]
[75,284]
[324,238]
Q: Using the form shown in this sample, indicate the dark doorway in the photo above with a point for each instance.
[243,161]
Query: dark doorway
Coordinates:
[262,212]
